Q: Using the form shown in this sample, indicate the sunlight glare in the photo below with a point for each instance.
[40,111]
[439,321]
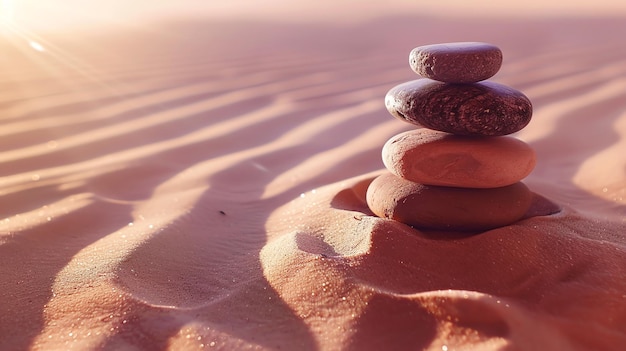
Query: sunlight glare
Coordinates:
[22,24]
[35,45]
[7,10]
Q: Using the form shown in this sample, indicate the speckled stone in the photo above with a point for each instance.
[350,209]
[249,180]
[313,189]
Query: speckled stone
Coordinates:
[484,108]
[464,62]
[436,158]
[447,208]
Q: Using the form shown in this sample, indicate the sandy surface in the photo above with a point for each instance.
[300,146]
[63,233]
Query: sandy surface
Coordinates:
[201,186]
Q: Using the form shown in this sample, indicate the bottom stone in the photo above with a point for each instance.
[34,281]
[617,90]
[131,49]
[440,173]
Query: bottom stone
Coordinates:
[447,208]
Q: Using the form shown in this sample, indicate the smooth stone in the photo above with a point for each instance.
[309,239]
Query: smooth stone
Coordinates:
[437,158]
[447,208]
[484,108]
[463,62]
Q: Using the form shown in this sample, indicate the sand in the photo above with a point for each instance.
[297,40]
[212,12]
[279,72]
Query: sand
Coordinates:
[200,185]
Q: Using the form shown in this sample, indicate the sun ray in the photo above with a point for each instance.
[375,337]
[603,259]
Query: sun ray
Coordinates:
[41,50]
[59,63]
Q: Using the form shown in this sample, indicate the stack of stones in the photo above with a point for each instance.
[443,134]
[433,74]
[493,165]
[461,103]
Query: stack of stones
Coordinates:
[459,172]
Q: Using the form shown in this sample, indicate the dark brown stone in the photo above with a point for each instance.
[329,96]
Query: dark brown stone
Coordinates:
[447,208]
[464,62]
[484,108]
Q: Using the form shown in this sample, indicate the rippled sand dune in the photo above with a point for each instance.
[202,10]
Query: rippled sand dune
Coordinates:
[202,186]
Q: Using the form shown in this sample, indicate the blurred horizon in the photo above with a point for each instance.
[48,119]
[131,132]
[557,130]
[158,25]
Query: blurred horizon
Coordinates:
[64,15]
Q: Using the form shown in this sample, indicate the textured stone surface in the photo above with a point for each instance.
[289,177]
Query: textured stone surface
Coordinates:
[437,158]
[447,208]
[484,108]
[463,62]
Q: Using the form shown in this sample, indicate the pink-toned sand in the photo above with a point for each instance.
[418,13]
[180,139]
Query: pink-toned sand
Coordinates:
[200,185]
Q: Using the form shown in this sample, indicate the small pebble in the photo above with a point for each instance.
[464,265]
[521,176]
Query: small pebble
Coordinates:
[447,208]
[484,108]
[436,158]
[464,62]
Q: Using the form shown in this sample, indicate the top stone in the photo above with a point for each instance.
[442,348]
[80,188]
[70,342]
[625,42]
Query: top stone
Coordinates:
[463,62]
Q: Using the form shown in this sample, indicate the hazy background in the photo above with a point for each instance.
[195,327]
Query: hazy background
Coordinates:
[73,14]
